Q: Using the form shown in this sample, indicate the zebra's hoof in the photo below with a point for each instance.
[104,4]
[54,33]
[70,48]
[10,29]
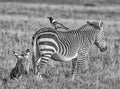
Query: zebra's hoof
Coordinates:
[84,71]
[74,77]
[39,77]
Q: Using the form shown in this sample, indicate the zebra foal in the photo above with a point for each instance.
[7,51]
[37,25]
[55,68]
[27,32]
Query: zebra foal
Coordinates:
[22,66]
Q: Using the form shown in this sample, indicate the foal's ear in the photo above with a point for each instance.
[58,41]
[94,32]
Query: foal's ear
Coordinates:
[17,55]
[101,24]
[27,53]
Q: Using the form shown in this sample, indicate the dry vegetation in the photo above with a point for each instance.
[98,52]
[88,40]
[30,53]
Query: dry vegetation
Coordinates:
[19,21]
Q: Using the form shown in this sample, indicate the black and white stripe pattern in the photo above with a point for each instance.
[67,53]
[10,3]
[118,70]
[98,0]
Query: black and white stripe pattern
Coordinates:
[49,44]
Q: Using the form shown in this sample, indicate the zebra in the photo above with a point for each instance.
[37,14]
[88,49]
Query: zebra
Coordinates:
[56,24]
[22,66]
[71,45]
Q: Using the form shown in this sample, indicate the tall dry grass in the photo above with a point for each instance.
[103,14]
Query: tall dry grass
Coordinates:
[16,31]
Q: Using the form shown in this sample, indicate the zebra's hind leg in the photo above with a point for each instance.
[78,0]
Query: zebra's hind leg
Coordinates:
[81,66]
[41,64]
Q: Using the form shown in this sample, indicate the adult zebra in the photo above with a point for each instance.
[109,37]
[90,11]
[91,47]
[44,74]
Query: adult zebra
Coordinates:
[49,43]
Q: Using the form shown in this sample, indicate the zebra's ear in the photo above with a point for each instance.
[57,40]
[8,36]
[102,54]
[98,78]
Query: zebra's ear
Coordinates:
[27,53]
[101,24]
[88,22]
[17,55]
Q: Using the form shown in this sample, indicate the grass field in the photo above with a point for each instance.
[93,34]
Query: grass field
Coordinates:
[71,2]
[19,21]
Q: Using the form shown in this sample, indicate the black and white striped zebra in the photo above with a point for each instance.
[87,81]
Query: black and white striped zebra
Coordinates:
[49,43]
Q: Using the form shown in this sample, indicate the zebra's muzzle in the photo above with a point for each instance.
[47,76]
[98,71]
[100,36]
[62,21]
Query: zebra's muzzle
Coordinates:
[103,49]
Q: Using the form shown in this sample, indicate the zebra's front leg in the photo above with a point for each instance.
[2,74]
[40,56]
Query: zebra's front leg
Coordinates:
[74,62]
[81,65]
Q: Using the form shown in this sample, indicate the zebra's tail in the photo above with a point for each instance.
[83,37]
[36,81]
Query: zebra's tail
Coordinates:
[35,54]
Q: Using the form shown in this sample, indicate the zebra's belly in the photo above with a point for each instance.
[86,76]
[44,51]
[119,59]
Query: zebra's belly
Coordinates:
[58,57]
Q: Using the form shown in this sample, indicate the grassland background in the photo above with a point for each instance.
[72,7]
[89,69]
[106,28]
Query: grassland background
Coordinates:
[20,20]
[75,2]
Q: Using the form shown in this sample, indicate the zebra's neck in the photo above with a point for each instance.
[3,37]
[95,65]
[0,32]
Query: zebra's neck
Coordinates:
[88,33]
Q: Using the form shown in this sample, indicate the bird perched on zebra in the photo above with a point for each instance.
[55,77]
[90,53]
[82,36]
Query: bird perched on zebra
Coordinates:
[22,66]
[56,24]
[73,45]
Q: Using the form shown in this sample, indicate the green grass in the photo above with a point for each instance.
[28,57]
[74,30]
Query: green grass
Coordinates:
[18,22]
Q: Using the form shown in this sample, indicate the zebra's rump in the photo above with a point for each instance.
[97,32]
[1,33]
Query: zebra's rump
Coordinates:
[51,41]
[60,58]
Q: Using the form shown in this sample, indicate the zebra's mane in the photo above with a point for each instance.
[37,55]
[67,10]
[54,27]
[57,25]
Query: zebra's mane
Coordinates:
[92,24]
